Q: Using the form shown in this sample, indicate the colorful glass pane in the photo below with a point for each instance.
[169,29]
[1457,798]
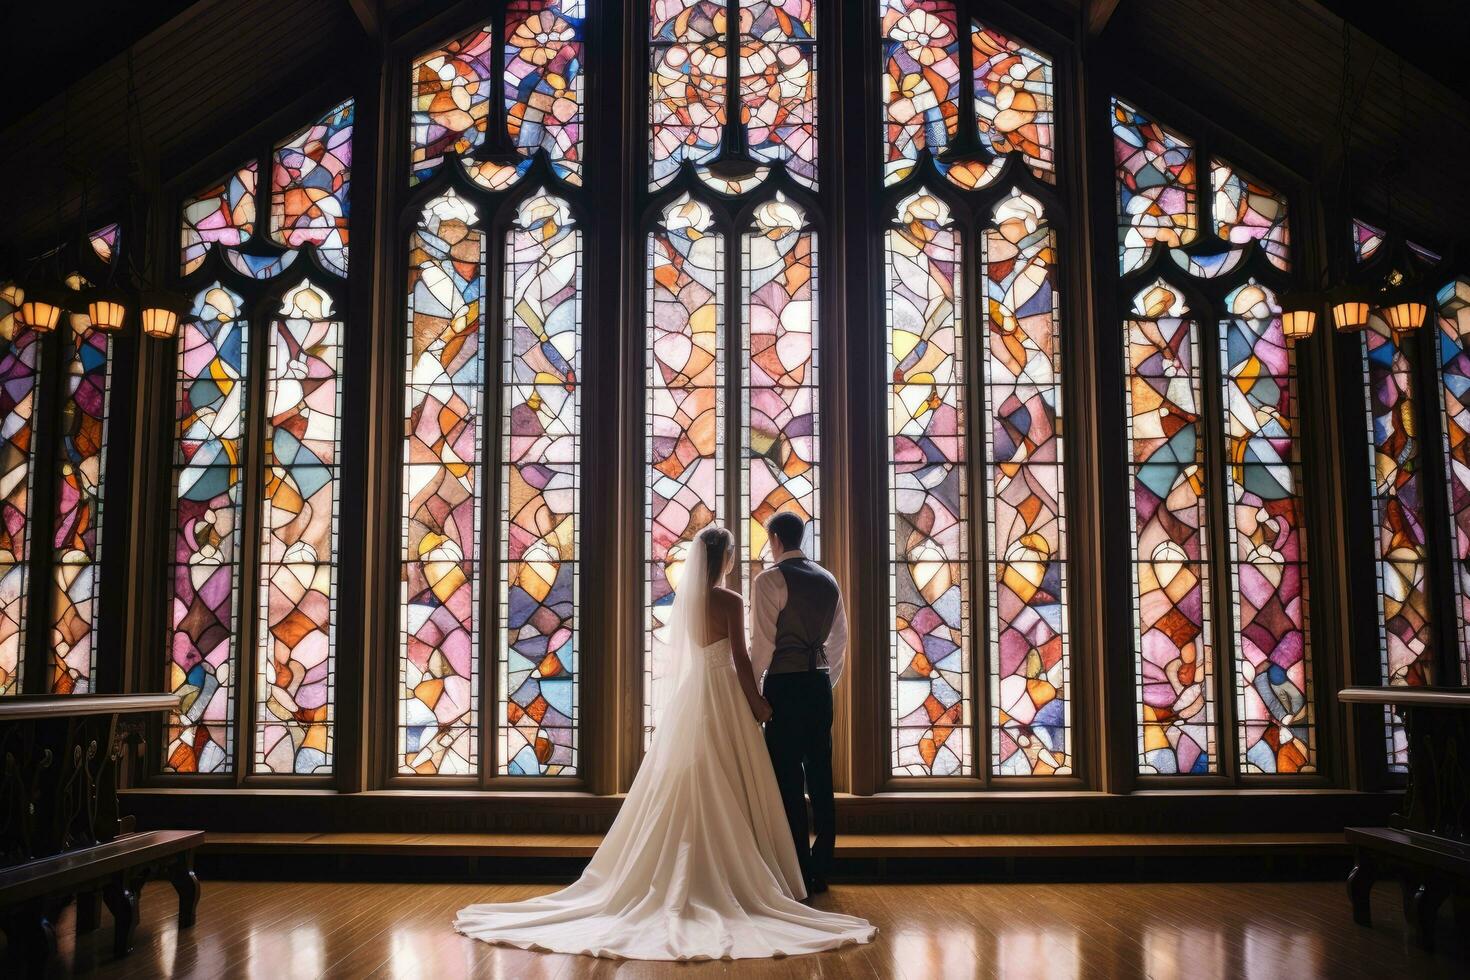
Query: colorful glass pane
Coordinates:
[778,84]
[1268,565]
[77,533]
[540,483]
[686,98]
[1366,240]
[438,699]
[921,73]
[1173,675]
[1400,557]
[685,415]
[1013,101]
[104,241]
[1454,394]
[221,214]
[929,560]
[206,549]
[298,535]
[450,101]
[1027,543]
[1248,211]
[1156,186]
[20,364]
[779,433]
[543,81]
[311,178]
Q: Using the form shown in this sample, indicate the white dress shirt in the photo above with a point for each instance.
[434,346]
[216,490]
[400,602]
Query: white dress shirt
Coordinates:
[767,599]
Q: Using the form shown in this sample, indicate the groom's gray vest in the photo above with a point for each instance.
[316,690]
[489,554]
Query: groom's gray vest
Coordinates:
[803,626]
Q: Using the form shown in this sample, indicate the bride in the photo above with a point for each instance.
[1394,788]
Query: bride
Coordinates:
[700,862]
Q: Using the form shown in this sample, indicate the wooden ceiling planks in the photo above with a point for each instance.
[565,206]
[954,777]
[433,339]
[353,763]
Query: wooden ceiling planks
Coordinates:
[1271,66]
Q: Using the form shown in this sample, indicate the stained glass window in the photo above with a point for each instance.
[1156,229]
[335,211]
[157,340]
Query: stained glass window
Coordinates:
[1174,669]
[311,176]
[298,596]
[1013,95]
[77,532]
[1453,322]
[1171,375]
[1399,554]
[1156,186]
[779,377]
[222,214]
[1268,549]
[929,556]
[1024,501]
[20,364]
[686,413]
[260,359]
[203,661]
[542,87]
[105,240]
[776,81]
[540,481]
[438,714]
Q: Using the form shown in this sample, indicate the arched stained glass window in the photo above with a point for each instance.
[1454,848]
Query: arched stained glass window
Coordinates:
[1453,328]
[1211,415]
[732,300]
[257,458]
[20,367]
[81,472]
[494,437]
[975,339]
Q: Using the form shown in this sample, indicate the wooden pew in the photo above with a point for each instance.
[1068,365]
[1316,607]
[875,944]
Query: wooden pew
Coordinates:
[1427,843]
[61,836]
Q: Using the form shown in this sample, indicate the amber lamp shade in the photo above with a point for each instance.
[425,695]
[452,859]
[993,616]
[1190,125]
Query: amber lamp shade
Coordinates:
[160,312]
[107,309]
[1405,315]
[1349,315]
[42,305]
[1298,324]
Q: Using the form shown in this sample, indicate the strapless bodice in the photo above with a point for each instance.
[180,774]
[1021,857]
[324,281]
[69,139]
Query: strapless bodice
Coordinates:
[714,655]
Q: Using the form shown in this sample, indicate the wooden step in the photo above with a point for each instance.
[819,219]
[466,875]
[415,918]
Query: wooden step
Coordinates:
[853,846]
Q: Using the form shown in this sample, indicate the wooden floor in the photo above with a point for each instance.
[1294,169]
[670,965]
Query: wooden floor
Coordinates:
[927,932]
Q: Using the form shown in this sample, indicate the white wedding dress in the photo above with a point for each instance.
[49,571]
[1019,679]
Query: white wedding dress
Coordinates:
[699,863]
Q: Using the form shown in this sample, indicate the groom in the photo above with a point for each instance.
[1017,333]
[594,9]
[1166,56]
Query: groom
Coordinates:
[799,637]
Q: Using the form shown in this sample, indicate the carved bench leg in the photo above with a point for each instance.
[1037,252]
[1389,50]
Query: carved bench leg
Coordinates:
[122,902]
[1421,913]
[1360,890]
[89,910]
[186,883]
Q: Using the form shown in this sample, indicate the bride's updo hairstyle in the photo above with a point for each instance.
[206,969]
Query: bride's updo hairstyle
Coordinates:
[717,543]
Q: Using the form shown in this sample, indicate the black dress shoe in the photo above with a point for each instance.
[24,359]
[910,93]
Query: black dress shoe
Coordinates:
[816,885]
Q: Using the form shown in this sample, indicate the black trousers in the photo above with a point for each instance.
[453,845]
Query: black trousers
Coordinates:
[799,738]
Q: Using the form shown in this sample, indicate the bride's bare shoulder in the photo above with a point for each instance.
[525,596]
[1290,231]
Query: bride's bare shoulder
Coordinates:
[727,598]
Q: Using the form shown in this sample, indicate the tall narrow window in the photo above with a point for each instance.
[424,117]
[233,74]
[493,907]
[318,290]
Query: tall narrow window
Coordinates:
[208,492]
[971,121]
[541,426]
[298,594]
[685,441]
[1210,419]
[731,408]
[1174,670]
[77,532]
[257,460]
[443,490]
[1454,366]
[929,578]
[20,367]
[493,420]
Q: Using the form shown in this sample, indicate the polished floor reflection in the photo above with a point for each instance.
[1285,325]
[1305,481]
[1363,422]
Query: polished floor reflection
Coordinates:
[1269,929]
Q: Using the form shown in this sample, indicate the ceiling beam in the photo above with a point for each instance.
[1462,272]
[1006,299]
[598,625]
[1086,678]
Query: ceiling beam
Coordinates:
[1098,14]
[369,15]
